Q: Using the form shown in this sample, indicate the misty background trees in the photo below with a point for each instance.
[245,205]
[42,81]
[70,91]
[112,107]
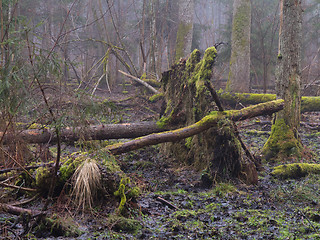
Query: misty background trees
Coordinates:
[56,52]
[86,42]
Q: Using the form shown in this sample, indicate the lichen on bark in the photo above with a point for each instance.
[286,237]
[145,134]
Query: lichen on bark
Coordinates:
[183,30]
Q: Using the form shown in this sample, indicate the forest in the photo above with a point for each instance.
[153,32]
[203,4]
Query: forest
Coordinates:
[160,119]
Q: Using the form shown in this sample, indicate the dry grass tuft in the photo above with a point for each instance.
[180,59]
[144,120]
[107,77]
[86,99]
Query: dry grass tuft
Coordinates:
[86,183]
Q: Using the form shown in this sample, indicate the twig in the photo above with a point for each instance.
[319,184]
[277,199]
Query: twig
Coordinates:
[17,162]
[25,201]
[19,188]
[170,205]
[139,81]
[24,168]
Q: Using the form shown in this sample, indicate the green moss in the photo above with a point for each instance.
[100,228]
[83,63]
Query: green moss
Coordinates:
[309,104]
[222,189]
[156,97]
[183,30]
[192,61]
[203,69]
[240,21]
[245,98]
[43,179]
[120,193]
[58,226]
[125,192]
[295,170]
[184,213]
[70,165]
[120,224]
[188,142]
[281,143]
[109,162]
[165,120]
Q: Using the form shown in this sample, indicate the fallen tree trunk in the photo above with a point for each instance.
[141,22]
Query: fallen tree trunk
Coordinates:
[205,123]
[308,104]
[95,132]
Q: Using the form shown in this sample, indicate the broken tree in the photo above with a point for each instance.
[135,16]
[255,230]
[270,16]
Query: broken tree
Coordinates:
[188,96]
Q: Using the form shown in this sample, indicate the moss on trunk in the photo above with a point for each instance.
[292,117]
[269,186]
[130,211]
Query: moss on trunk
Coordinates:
[282,143]
[183,31]
[308,104]
[217,150]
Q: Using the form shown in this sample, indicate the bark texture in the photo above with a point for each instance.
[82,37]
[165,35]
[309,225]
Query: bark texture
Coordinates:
[185,28]
[284,142]
[239,72]
[95,132]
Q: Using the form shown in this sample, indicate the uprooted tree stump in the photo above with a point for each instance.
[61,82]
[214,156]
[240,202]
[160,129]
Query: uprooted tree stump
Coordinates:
[188,99]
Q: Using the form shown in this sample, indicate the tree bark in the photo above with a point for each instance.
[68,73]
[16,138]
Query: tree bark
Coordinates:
[239,72]
[96,132]
[283,142]
[205,123]
[185,29]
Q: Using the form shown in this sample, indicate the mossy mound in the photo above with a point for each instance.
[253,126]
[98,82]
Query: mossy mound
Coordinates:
[57,227]
[122,224]
[282,144]
[295,170]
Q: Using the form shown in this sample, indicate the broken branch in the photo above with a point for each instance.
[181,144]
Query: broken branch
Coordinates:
[198,127]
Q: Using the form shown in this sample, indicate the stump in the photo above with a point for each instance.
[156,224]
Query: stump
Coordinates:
[187,100]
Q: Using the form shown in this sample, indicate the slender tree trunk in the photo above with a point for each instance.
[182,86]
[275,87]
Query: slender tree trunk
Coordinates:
[239,73]
[284,141]
[185,28]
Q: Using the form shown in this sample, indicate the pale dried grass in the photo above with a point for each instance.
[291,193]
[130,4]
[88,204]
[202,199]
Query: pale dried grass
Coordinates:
[86,183]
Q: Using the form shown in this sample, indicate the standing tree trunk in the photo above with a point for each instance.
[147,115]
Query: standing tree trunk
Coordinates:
[185,29]
[284,142]
[239,73]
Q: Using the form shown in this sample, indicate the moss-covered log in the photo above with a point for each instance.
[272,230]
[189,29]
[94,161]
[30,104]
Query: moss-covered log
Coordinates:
[207,122]
[308,104]
[295,170]
[94,132]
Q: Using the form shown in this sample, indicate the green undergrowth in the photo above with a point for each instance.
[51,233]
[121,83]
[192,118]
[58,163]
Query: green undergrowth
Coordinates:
[304,191]
[229,212]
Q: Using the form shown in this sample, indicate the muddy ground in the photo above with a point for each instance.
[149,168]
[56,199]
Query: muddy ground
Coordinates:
[173,205]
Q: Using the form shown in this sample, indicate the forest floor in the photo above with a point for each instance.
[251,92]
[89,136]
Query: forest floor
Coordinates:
[173,205]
